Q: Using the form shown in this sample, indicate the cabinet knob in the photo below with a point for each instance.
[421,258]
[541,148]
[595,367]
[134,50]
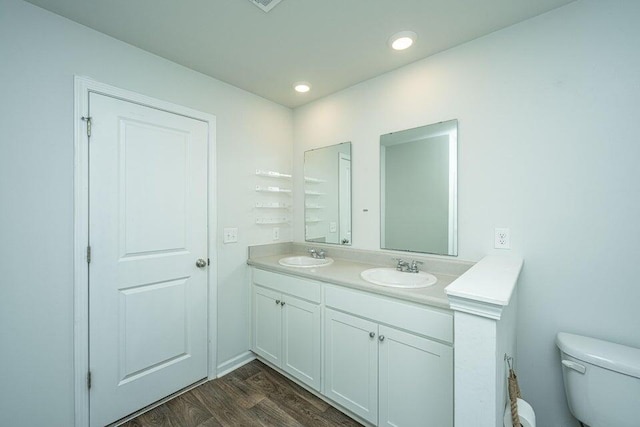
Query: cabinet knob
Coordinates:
[381,338]
[277,301]
[282,303]
[372,334]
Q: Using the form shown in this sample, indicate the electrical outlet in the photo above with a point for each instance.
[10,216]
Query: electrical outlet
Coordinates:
[276,233]
[502,240]
[230,235]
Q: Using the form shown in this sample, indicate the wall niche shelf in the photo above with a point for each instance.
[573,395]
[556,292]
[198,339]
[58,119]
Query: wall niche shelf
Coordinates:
[272,174]
[270,221]
[313,180]
[272,205]
[313,193]
[272,189]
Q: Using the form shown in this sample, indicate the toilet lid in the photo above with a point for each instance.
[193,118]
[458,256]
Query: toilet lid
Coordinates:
[615,357]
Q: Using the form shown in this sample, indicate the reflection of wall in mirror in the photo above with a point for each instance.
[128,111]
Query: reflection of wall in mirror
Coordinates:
[417,195]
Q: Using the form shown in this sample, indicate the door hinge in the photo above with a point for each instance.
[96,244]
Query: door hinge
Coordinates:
[89,379]
[88,120]
[208,261]
[88,254]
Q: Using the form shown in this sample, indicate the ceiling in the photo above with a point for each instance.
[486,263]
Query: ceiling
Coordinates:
[333,44]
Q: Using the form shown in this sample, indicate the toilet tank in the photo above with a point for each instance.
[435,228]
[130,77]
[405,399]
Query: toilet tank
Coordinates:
[601,381]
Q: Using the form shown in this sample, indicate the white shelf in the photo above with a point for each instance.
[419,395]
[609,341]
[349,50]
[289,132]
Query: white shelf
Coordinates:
[272,174]
[312,220]
[272,205]
[310,206]
[268,221]
[272,189]
[314,193]
[313,180]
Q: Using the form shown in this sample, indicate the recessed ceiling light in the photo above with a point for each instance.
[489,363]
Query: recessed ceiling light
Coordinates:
[302,87]
[402,40]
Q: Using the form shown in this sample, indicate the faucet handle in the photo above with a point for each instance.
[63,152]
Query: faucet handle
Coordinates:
[321,253]
[414,266]
[401,263]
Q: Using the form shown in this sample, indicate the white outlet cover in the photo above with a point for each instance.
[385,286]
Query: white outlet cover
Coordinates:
[276,233]
[502,238]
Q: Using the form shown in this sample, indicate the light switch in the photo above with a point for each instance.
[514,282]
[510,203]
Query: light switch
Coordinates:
[230,235]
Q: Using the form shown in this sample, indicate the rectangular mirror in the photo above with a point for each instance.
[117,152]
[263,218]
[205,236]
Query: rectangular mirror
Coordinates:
[418,189]
[327,194]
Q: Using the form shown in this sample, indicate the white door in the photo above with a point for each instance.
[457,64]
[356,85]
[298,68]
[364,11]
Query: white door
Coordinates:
[147,228]
[416,381]
[344,202]
[267,324]
[301,340]
[351,363]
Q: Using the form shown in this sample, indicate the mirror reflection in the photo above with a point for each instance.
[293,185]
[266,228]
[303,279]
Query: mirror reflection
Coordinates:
[327,194]
[418,189]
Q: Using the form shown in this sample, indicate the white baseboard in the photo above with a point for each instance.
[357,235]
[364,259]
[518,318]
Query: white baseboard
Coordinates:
[234,363]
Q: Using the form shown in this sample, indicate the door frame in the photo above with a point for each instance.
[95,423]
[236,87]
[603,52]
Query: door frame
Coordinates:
[82,87]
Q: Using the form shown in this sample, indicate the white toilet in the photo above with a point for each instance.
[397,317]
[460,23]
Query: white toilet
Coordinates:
[601,380]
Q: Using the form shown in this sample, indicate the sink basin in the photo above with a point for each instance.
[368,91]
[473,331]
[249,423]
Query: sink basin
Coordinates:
[305,261]
[398,279]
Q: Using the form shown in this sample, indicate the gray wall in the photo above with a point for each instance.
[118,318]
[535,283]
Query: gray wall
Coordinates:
[548,146]
[40,53]
[416,199]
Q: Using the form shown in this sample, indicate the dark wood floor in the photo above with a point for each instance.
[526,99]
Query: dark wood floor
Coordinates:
[253,395]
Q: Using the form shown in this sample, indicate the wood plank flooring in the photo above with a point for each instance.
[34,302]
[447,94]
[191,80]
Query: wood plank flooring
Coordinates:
[253,395]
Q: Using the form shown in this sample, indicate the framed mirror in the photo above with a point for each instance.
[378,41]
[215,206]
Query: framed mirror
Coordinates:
[418,189]
[327,194]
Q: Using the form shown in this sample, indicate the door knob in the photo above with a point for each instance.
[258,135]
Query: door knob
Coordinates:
[381,338]
[200,263]
[372,334]
[281,303]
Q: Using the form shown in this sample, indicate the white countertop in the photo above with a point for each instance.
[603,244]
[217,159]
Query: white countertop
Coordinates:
[492,280]
[347,273]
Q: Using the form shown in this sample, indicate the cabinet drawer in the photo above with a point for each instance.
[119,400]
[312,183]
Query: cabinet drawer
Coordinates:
[301,288]
[431,322]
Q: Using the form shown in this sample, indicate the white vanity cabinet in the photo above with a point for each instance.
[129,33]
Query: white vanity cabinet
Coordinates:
[387,361]
[286,324]
[386,370]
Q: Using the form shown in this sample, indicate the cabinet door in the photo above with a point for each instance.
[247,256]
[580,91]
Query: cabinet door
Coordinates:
[301,340]
[351,363]
[267,324]
[416,380]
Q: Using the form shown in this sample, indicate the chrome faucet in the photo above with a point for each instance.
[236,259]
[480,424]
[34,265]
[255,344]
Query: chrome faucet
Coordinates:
[402,264]
[413,268]
[317,253]
[406,267]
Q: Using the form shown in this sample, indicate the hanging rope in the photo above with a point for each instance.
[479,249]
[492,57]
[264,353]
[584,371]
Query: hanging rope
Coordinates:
[514,392]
